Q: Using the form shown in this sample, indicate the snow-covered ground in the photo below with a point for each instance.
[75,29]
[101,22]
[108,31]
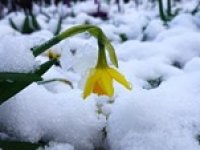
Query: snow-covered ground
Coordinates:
[161,61]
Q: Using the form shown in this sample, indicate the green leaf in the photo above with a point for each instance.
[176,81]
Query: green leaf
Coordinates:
[124,37]
[45,67]
[27,26]
[9,88]
[12,24]
[11,145]
[35,23]
[58,29]
[111,52]
[23,77]
[57,80]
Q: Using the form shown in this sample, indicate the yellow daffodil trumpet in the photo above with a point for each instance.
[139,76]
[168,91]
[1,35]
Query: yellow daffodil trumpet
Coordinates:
[100,79]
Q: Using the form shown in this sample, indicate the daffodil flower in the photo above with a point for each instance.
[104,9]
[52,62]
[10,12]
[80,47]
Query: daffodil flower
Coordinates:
[100,79]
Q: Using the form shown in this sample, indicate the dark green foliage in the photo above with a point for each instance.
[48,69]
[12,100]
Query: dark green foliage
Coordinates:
[30,24]
[13,83]
[123,37]
[11,145]
[12,24]
[169,9]
[165,15]
[35,23]
[161,10]
[57,80]
[59,25]
[153,83]
[27,28]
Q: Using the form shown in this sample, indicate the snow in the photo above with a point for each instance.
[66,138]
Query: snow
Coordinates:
[89,7]
[45,116]
[57,146]
[15,55]
[184,20]
[153,29]
[166,116]
[6,30]
[160,60]
[188,42]
[73,54]
[18,19]
[192,65]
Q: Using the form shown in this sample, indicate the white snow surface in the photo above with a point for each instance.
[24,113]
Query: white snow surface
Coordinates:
[57,146]
[45,116]
[164,116]
[15,55]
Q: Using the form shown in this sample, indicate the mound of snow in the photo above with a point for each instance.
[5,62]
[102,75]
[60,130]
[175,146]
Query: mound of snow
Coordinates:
[36,114]
[15,56]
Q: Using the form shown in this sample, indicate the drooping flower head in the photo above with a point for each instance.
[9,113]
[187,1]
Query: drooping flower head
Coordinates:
[100,79]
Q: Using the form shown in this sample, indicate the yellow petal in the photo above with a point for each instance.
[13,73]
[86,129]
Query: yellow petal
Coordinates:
[106,83]
[98,89]
[119,78]
[92,78]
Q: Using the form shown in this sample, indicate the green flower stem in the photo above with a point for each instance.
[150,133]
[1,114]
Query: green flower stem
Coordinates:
[98,33]
[55,40]
[42,48]
[101,62]
[93,30]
